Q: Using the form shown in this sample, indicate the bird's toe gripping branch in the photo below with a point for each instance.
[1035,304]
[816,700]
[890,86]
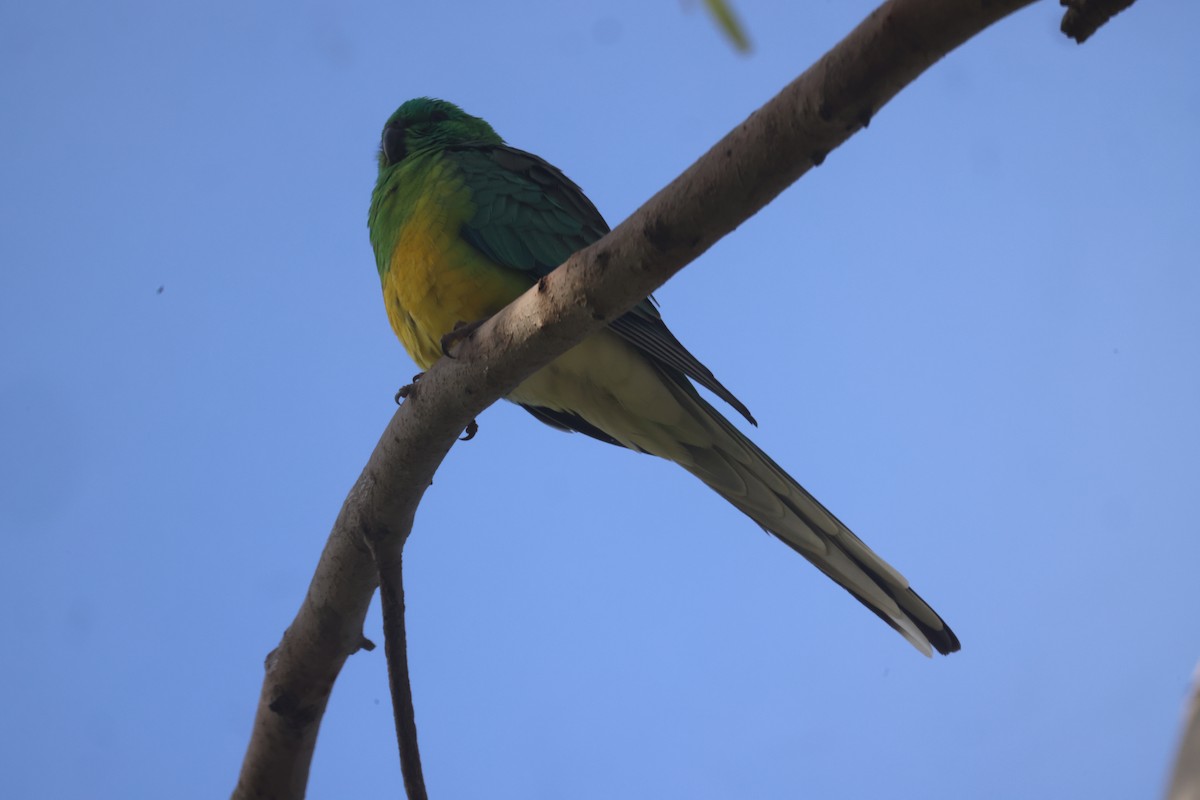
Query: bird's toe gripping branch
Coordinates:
[462,331]
[407,389]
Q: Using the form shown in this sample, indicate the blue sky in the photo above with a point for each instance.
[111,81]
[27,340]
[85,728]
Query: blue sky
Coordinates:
[973,333]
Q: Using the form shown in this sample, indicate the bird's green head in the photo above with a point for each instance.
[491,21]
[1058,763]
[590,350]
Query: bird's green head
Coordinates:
[428,124]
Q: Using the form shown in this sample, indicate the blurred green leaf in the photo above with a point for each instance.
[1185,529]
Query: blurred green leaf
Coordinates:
[728,22]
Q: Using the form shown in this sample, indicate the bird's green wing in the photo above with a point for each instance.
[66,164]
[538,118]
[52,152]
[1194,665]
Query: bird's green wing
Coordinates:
[530,217]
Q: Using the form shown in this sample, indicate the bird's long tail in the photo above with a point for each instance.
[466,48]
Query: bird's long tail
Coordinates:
[739,471]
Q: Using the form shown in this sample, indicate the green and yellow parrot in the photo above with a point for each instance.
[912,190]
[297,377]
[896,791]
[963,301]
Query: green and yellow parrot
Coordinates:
[462,224]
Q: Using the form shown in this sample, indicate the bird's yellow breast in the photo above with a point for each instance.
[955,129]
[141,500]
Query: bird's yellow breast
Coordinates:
[436,279]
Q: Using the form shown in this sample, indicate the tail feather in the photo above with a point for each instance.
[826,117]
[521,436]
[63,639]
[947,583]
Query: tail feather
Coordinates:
[605,387]
[739,471]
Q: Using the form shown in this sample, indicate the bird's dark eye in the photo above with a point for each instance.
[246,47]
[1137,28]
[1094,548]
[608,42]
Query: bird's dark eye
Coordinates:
[393,145]
[439,116]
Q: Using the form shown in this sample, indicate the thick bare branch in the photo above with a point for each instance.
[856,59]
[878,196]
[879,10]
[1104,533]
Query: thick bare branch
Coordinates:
[300,672]
[776,145]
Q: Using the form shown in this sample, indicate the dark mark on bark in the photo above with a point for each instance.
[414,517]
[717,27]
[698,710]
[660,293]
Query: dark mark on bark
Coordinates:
[288,706]
[658,235]
[542,283]
[864,118]
[283,704]
[825,111]
[818,158]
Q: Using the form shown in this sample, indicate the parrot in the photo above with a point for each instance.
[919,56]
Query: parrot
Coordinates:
[461,224]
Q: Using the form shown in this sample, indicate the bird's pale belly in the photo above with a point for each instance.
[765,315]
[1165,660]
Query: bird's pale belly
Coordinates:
[608,383]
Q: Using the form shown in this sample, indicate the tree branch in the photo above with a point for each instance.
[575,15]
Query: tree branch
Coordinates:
[777,144]
[1084,17]
[395,645]
[1185,775]
[300,672]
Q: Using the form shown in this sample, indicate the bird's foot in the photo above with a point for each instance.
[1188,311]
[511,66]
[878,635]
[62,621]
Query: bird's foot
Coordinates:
[469,433]
[406,390]
[462,330]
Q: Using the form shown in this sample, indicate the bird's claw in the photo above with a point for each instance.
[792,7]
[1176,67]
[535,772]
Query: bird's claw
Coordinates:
[462,330]
[469,433]
[407,389]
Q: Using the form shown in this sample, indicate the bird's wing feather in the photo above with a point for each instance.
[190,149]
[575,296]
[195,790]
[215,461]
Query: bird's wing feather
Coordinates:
[567,421]
[531,217]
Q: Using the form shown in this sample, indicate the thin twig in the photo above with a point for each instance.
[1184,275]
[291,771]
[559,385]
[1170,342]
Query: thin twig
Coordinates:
[1084,17]
[391,597]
